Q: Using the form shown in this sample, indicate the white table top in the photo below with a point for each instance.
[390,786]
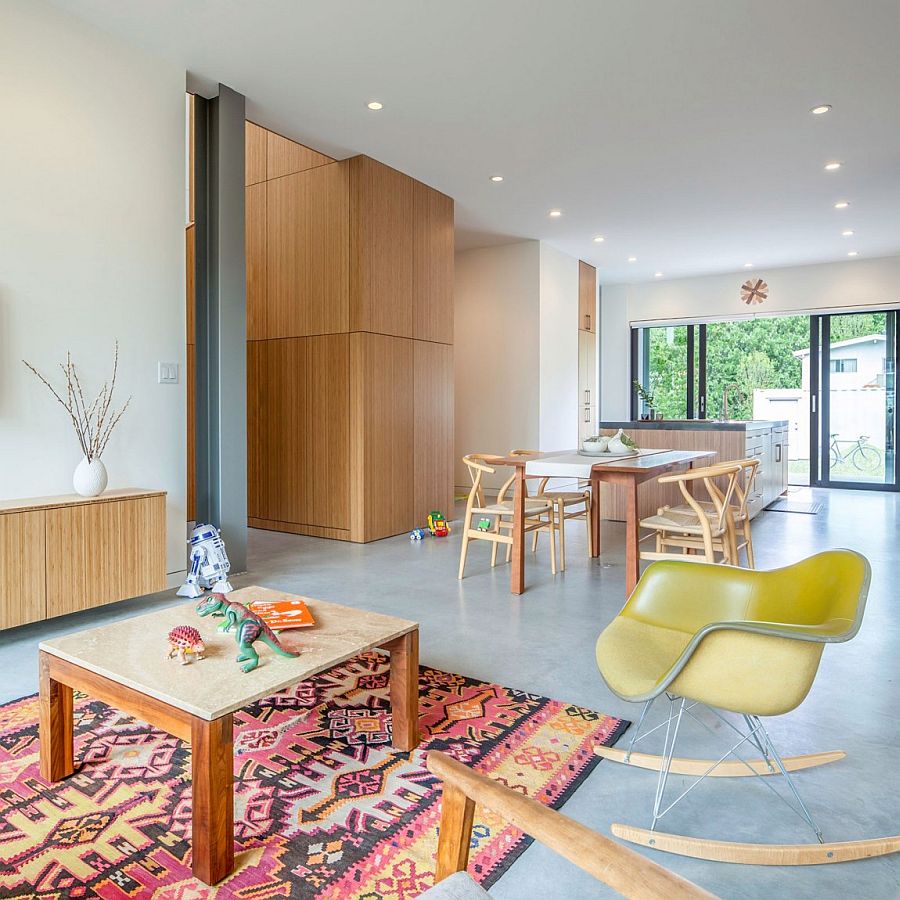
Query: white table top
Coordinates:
[133,652]
[572,464]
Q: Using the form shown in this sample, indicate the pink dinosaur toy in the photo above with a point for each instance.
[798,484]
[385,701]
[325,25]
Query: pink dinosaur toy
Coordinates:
[185,641]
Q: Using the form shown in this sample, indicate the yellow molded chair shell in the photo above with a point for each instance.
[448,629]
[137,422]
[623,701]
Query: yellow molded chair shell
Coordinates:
[737,639]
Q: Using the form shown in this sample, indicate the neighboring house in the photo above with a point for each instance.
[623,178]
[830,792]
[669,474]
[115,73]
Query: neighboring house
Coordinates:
[855,363]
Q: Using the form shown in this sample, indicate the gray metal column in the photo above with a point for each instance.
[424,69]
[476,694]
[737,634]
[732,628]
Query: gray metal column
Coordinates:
[221,319]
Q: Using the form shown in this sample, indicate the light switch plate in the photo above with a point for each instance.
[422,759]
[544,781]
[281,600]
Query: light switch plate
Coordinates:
[168,373]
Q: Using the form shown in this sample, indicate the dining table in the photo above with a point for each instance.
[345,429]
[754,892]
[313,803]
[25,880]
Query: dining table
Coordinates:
[626,471]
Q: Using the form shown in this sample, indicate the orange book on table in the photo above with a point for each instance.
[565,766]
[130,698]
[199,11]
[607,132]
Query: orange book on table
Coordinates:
[283,614]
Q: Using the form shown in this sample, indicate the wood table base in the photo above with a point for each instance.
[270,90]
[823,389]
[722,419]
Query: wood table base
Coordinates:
[212,780]
[56,725]
[405,690]
[212,760]
[212,741]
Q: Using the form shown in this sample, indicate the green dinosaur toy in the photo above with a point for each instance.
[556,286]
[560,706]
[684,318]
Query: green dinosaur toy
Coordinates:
[219,606]
[248,626]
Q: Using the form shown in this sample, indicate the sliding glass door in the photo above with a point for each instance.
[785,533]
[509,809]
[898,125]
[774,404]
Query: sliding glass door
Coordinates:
[857,428]
[831,377]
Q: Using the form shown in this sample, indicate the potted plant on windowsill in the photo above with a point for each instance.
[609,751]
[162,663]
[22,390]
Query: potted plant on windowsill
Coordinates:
[646,397]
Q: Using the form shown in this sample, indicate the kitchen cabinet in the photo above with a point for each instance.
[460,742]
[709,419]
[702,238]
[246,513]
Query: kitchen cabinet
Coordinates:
[587,384]
[765,441]
[587,297]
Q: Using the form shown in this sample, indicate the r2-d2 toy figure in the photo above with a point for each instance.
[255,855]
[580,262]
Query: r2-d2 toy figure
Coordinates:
[209,563]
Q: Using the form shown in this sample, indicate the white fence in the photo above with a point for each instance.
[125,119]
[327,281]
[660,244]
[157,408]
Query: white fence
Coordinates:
[853,413]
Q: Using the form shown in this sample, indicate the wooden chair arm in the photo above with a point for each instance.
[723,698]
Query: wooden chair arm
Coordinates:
[473,463]
[622,869]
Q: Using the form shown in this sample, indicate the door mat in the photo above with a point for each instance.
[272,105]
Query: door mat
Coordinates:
[323,807]
[794,506]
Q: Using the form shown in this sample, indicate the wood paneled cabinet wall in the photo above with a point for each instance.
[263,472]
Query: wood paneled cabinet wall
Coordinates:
[350,332]
[63,554]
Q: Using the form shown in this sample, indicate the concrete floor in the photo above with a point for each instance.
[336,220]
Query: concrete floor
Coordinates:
[543,642]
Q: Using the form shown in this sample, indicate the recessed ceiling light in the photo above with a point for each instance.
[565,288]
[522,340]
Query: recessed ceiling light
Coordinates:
[657,274]
[555,213]
[821,110]
[853,253]
[841,204]
[632,259]
[496,178]
[374,104]
[832,166]
[846,233]
[599,239]
[748,265]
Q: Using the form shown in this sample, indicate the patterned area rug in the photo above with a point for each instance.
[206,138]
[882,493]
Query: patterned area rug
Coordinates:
[323,807]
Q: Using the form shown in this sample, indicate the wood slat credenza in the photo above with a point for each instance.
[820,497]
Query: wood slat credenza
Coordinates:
[64,554]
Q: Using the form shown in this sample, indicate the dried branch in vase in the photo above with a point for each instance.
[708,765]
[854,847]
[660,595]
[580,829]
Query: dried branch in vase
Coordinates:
[93,422]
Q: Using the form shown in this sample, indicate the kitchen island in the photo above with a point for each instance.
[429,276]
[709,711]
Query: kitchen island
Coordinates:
[766,440]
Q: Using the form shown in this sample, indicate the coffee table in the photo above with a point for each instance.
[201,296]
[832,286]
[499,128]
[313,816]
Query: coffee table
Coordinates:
[125,664]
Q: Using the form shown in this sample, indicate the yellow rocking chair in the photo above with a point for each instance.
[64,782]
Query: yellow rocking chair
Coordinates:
[740,641]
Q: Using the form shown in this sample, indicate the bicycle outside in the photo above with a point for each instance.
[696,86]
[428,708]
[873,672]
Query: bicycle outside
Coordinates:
[860,455]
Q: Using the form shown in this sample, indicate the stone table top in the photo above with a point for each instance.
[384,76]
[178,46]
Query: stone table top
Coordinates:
[134,652]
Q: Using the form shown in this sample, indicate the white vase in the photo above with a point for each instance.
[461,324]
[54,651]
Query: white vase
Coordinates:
[90,478]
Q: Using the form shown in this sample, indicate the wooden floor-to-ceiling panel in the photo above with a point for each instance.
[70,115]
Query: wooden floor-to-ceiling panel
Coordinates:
[255,249]
[298,431]
[287,157]
[190,301]
[307,253]
[254,153]
[381,248]
[190,380]
[382,419]
[433,403]
[432,265]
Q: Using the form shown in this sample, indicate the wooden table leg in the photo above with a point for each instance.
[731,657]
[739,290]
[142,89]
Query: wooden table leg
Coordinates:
[632,536]
[405,690]
[56,725]
[212,772]
[595,513]
[517,573]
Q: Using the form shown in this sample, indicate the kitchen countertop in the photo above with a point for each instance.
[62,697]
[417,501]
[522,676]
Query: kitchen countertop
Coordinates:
[695,425]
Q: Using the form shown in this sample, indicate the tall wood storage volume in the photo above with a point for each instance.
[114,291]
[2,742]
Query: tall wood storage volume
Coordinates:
[350,331]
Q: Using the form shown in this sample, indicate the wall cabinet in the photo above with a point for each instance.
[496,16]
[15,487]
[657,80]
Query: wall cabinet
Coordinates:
[350,331]
[587,297]
[587,384]
[64,554]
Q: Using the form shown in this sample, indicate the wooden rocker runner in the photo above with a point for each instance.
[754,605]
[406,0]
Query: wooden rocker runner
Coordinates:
[739,641]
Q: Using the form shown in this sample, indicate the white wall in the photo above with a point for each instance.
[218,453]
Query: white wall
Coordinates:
[839,285]
[558,350]
[496,350]
[91,249]
[615,350]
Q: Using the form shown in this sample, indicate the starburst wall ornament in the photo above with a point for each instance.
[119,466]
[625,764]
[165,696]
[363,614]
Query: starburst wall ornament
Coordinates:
[754,291]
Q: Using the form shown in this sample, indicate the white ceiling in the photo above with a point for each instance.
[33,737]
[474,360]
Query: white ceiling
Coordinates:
[678,130]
